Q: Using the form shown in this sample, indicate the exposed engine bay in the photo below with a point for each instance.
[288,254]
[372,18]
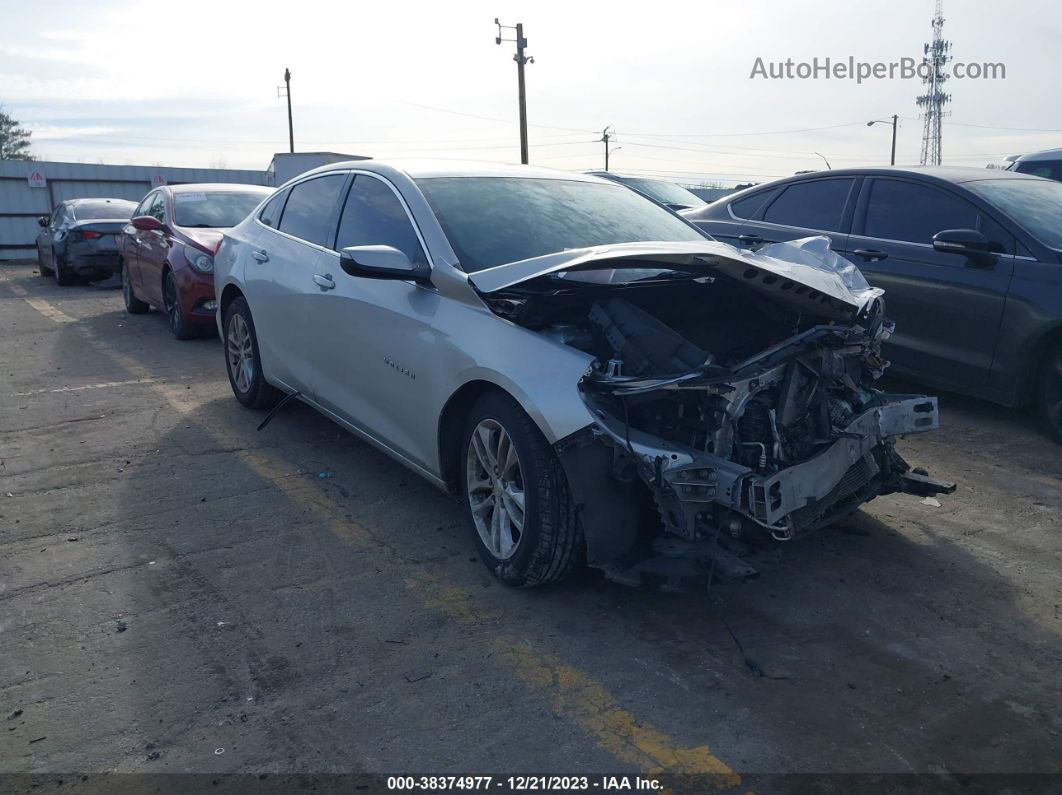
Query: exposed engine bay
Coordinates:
[738,400]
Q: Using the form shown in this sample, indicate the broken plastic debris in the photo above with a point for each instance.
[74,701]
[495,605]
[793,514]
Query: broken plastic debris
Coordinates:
[933,502]
[219,751]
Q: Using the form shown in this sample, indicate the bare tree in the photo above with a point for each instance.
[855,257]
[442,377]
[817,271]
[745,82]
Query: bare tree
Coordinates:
[14,139]
[219,162]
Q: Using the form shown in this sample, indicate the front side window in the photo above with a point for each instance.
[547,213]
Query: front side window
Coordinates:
[158,207]
[818,204]
[1033,204]
[213,209]
[494,220]
[310,211]
[913,213]
[145,203]
[373,216]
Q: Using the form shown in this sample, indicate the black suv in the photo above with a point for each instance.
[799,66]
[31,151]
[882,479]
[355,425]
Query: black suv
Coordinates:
[971,261]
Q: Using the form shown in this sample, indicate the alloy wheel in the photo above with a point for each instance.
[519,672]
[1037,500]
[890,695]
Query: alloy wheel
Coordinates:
[169,298]
[495,483]
[240,353]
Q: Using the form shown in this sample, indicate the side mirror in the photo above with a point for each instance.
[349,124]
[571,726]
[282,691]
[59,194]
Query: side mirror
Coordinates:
[148,223]
[962,241]
[381,262]
[44,220]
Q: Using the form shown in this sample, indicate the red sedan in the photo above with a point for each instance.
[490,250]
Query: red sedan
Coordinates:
[167,250]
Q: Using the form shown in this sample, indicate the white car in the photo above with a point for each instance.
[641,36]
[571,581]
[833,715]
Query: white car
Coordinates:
[592,375]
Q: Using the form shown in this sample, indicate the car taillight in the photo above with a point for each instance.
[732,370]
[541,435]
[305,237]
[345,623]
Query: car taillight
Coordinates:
[88,234]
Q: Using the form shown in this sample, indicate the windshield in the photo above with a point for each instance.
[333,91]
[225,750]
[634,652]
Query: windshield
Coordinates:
[1035,205]
[664,192]
[104,210]
[215,210]
[494,220]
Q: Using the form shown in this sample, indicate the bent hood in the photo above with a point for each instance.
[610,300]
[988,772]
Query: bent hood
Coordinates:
[803,271]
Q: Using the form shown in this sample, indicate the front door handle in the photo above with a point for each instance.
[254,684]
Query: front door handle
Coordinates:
[871,254]
[324,281]
[751,240]
[260,255]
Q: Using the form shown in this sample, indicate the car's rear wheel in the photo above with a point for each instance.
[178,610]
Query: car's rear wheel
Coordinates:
[1051,392]
[171,301]
[242,359]
[64,277]
[133,305]
[516,496]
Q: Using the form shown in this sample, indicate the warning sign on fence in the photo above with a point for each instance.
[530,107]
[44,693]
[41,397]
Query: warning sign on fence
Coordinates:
[36,179]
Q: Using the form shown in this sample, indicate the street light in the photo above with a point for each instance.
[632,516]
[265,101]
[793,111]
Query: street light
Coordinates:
[895,119]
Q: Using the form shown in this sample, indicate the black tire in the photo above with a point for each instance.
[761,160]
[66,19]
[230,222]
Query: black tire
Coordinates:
[259,394]
[174,314]
[551,545]
[44,270]
[1050,397]
[133,305]
[63,276]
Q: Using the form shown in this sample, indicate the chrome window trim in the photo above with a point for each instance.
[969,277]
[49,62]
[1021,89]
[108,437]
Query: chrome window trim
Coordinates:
[355,172]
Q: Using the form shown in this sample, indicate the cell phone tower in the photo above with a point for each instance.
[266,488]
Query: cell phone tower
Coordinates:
[935,57]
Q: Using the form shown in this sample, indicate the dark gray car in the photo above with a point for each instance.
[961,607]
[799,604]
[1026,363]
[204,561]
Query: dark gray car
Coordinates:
[970,258]
[80,237]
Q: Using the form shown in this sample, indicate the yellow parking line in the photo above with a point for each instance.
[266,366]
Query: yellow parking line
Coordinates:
[572,694]
[49,311]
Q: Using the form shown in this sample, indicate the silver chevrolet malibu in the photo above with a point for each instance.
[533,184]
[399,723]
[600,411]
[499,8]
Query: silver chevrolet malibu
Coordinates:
[597,380]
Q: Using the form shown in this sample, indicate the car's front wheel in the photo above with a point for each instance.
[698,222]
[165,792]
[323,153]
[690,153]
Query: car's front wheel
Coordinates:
[1051,392]
[171,300]
[516,496]
[133,305]
[242,359]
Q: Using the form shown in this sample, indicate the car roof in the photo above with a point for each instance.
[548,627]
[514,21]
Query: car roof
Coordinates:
[951,174]
[1046,154]
[425,169]
[208,187]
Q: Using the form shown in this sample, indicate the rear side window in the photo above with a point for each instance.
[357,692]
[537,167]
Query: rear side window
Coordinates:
[373,216]
[310,212]
[913,213]
[818,204]
[270,214]
[748,207]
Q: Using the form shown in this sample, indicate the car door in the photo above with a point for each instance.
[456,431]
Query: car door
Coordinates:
[130,246]
[46,238]
[291,235]
[375,335]
[947,307]
[808,207]
[152,247]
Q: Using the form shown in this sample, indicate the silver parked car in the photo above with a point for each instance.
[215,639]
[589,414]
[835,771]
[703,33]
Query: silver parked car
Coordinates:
[594,377]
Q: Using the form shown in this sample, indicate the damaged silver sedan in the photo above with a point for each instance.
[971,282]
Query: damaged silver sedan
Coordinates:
[597,380]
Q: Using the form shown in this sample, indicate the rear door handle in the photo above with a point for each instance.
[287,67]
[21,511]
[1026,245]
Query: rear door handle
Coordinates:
[751,240]
[871,254]
[260,255]
[324,281]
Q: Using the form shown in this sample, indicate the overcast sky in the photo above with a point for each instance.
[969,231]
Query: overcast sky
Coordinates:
[195,83]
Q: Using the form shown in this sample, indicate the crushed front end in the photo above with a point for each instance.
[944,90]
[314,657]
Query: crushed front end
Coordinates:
[733,394]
